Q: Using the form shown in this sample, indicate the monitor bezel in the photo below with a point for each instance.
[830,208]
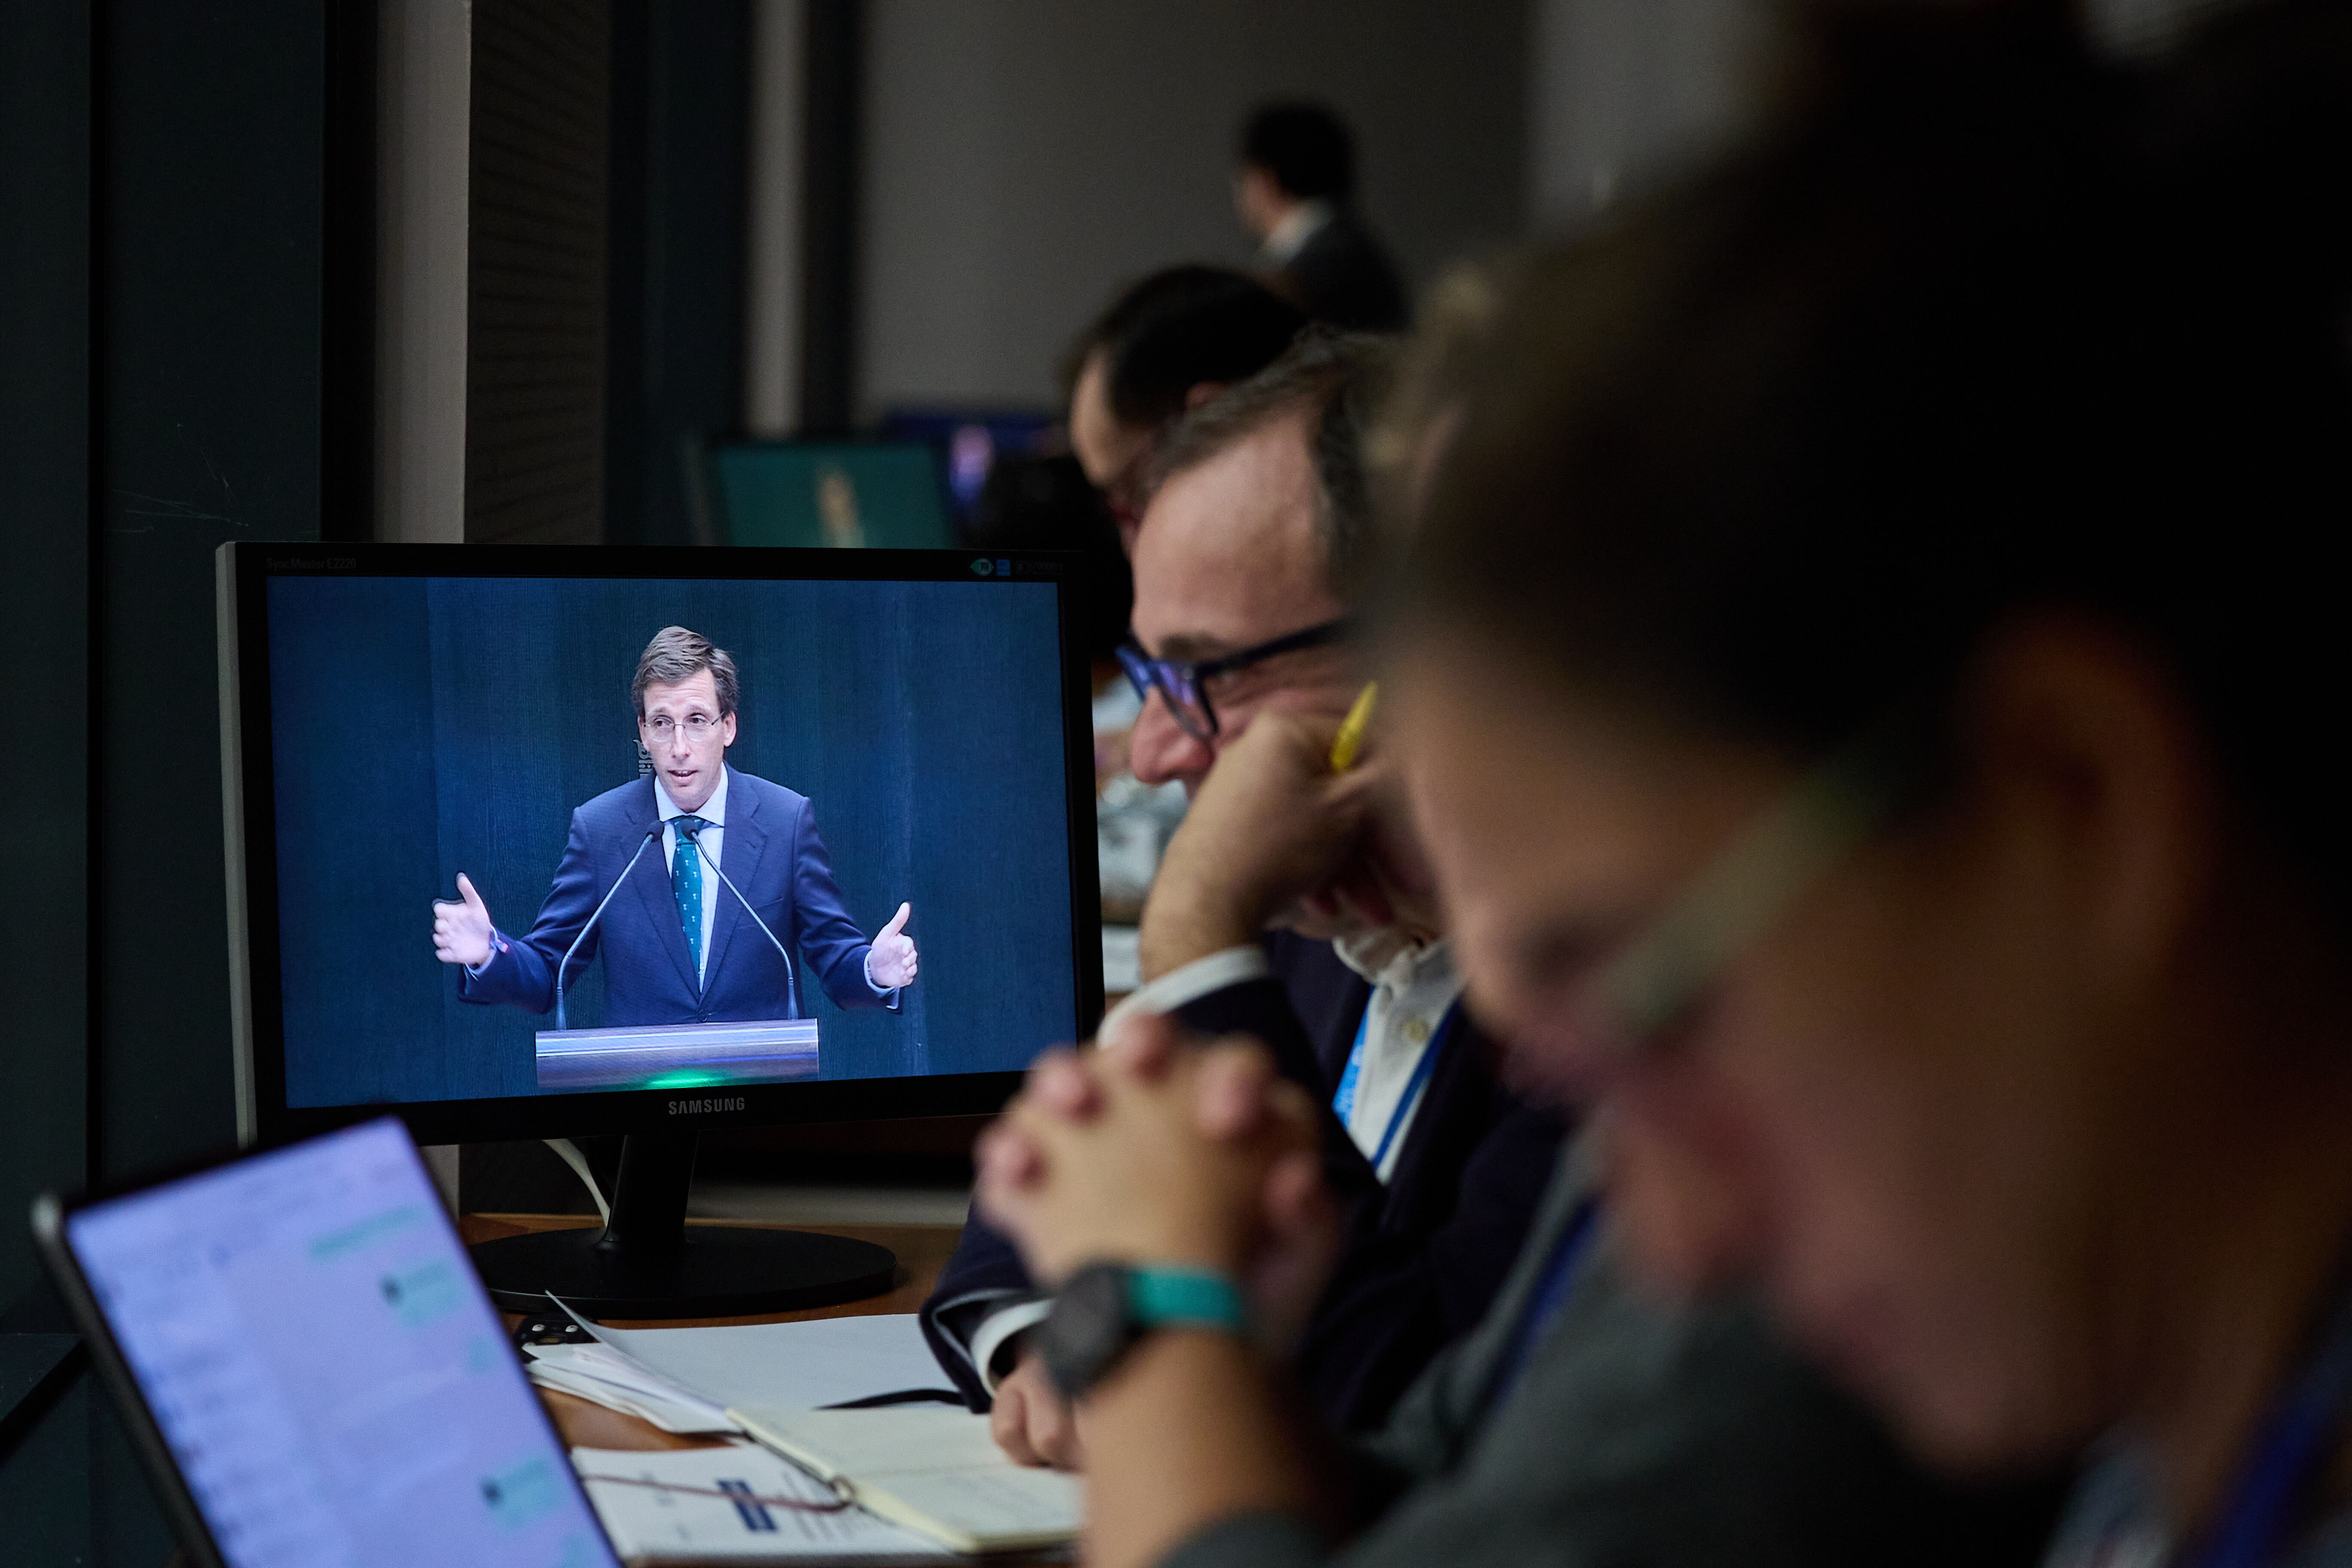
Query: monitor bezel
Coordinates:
[248,810]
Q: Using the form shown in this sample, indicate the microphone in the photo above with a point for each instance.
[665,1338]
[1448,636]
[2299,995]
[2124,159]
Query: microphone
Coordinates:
[651,833]
[791,980]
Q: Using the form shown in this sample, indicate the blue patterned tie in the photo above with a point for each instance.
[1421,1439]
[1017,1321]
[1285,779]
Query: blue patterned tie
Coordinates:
[686,881]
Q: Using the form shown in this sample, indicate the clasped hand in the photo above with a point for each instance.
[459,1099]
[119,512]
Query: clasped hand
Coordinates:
[1152,1151]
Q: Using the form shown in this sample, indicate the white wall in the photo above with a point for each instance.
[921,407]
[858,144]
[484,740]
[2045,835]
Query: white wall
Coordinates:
[1025,157]
[771,269]
[1622,91]
[424,97]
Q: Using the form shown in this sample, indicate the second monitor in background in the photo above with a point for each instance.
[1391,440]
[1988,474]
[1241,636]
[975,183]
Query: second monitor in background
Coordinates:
[971,442]
[837,494]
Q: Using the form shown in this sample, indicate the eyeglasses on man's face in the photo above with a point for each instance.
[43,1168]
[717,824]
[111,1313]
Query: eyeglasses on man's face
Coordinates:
[1184,684]
[1653,983]
[662,729]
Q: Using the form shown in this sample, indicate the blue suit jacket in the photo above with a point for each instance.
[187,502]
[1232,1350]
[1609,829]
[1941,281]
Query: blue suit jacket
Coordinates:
[772,853]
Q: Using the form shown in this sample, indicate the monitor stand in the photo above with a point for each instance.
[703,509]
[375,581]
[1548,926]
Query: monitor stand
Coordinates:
[647,1263]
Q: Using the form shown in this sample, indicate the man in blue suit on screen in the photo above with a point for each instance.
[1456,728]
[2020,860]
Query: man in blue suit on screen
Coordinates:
[678,946]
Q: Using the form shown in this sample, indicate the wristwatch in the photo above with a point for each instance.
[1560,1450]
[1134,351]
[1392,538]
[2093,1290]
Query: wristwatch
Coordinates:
[1103,1308]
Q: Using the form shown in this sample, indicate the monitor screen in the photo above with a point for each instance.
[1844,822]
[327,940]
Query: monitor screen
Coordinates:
[834,494]
[332,1384]
[515,837]
[970,440]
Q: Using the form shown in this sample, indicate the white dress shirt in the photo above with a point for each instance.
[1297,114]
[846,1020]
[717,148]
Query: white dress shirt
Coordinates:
[1289,237]
[1414,987]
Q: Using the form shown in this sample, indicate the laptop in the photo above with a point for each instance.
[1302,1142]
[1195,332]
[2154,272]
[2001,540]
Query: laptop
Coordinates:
[310,1369]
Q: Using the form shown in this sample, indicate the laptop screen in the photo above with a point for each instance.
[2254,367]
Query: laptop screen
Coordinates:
[332,1382]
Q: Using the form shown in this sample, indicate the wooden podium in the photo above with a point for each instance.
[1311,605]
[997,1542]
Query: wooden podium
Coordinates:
[678,1056]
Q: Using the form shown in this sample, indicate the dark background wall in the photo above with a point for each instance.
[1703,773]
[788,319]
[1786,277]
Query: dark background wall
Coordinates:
[172,295]
[210,295]
[674,364]
[44,601]
[535,255]
[429,727]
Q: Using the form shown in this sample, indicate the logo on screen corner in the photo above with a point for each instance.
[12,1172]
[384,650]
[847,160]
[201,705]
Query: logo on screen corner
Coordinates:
[696,1107]
[982,567]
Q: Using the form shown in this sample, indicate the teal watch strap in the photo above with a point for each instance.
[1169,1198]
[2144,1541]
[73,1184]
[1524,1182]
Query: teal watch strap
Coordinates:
[1159,1297]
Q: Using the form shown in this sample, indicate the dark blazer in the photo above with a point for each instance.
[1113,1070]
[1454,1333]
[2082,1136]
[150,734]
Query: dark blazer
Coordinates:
[1423,1256]
[1343,274]
[772,853]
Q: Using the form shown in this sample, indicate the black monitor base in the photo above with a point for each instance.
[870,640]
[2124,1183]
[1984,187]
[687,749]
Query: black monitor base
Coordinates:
[647,1263]
[721,1271]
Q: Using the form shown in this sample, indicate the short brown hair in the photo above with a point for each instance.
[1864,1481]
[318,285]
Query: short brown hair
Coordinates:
[1777,451]
[676,655]
[1336,380]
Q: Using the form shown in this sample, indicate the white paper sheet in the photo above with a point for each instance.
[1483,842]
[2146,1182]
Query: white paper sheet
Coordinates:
[931,1470]
[605,1376]
[647,1521]
[788,1366]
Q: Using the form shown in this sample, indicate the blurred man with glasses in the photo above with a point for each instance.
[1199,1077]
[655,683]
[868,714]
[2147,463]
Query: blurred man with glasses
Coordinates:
[1167,344]
[1255,542]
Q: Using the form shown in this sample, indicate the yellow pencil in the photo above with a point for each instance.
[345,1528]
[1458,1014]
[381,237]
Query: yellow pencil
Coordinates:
[1349,743]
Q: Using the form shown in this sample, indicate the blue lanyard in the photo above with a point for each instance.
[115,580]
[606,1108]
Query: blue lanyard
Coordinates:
[2295,1441]
[1550,1294]
[1344,1102]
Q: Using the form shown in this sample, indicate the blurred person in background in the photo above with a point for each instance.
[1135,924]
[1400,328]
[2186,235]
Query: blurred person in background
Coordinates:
[1294,192]
[1866,675]
[1257,541]
[1167,344]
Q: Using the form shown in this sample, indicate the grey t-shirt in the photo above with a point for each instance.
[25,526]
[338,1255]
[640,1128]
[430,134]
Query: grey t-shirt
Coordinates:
[1637,1432]
[2115,1520]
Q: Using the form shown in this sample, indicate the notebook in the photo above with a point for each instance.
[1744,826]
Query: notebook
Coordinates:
[719,1505]
[929,1468]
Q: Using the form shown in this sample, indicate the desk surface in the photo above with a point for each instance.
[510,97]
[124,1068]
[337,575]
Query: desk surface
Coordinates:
[923,1250]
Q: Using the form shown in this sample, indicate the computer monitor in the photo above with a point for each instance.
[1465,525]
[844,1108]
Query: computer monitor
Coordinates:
[832,495]
[969,441]
[307,1369]
[892,729]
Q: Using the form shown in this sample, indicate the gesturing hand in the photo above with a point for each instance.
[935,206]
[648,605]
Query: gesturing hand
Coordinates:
[461,932]
[892,962]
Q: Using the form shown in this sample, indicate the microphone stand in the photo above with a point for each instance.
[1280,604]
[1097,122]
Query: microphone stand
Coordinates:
[651,833]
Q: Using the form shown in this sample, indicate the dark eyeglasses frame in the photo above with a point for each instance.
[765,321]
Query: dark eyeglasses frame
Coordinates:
[1182,682]
[1656,983]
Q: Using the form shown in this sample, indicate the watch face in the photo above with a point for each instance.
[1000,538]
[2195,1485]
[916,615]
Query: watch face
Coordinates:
[1087,1330]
